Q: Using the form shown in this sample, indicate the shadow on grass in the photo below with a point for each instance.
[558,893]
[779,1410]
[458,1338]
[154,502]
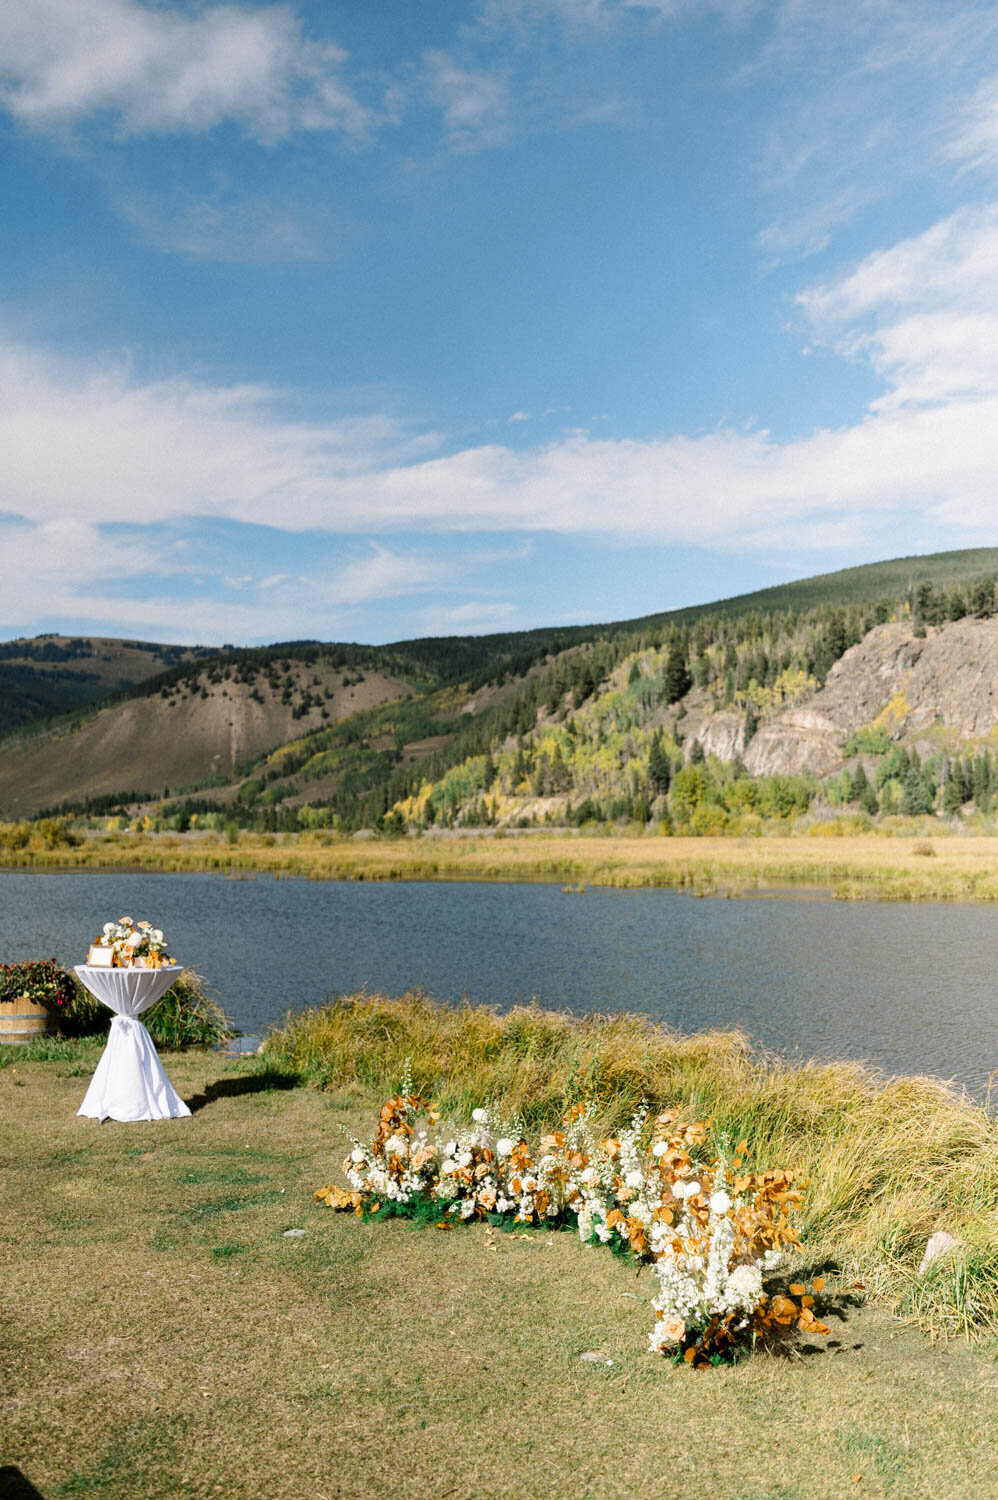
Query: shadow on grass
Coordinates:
[834,1308]
[14,1486]
[232,1088]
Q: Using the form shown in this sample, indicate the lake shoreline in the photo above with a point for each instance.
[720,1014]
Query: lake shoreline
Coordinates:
[858,867]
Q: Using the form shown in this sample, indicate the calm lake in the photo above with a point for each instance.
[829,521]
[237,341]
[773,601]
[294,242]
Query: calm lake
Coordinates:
[909,987]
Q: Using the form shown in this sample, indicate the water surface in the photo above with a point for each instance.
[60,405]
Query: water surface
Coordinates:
[909,987]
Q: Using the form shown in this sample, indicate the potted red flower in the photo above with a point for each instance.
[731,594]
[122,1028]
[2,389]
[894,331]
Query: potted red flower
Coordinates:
[33,996]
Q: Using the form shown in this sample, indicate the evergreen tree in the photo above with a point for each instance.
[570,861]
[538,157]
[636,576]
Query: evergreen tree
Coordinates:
[677,681]
[915,800]
[981,597]
[956,605]
[980,782]
[953,790]
[659,766]
[697,757]
[863,791]
[751,725]
[930,607]
[560,775]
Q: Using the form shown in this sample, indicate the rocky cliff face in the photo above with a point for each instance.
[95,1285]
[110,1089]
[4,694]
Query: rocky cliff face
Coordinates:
[800,740]
[946,683]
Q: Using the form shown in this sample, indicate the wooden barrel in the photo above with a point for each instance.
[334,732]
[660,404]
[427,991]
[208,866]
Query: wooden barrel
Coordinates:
[22,1020]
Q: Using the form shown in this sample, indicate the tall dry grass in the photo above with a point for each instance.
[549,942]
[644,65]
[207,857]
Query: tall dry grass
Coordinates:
[889,1161]
[855,868]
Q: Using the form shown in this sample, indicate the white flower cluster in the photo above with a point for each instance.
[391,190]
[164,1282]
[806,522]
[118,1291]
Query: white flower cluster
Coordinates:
[130,940]
[710,1228]
[698,1274]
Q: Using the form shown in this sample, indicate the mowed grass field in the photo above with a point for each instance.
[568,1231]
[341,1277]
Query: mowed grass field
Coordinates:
[162,1337]
[857,867]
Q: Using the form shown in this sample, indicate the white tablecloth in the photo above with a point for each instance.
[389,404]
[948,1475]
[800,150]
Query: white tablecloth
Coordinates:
[130,1083]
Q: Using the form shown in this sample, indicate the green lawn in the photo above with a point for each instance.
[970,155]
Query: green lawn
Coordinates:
[162,1337]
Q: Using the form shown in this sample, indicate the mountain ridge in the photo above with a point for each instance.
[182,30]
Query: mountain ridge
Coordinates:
[342,734]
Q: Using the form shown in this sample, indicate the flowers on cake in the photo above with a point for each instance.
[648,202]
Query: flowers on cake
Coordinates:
[129,945]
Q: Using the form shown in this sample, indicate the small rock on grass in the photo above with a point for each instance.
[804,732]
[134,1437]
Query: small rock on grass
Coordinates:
[940,1243]
[293,1234]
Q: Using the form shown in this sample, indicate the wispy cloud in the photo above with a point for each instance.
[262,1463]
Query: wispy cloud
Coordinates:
[237,227]
[162,69]
[386,575]
[976,138]
[475,102]
[579,15]
[473,618]
[865,104]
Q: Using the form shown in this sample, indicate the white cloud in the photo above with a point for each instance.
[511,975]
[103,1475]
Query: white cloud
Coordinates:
[103,446]
[923,312]
[97,443]
[862,102]
[955,263]
[384,575]
[811,230]
[158,69]
[475,102]
[976,141]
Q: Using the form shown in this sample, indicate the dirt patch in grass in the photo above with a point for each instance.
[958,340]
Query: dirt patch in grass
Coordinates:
[164,1338]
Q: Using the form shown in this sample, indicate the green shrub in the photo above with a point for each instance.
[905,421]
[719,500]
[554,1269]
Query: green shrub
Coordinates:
[187,1016]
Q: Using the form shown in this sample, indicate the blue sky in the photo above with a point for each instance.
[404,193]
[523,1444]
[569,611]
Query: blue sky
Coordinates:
[351,321]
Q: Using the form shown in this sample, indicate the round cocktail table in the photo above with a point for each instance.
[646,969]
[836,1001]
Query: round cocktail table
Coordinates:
[129,1083]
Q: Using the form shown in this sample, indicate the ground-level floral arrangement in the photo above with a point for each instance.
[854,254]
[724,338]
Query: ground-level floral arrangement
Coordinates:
[712,1229]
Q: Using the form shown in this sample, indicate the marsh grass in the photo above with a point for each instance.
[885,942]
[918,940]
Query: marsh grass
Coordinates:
[162,1338]
[889,1160]
[856,867]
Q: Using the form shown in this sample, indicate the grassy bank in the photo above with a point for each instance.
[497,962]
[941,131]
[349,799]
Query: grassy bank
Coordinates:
[163,1338]
[859,867]
[889,1162]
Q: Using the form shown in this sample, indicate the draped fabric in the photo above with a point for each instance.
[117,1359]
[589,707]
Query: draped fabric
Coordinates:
[130,1083]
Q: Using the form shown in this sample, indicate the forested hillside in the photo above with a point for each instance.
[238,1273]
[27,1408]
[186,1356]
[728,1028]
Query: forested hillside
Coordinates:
[720,717]
[52,674]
